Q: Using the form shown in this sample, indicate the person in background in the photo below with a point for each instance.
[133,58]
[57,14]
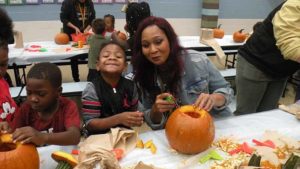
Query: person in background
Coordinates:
[8,107]
[162,69]
[110,100]
[135,13]
[77,16]
[267,59]
[7,77]
[109,21]
[95,41]
[46,117]
[296,76]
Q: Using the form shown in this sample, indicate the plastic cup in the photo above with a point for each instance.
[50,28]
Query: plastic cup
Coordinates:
[80,44]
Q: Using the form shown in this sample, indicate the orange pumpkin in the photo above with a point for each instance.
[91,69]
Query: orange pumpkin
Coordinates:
[190,130]
[61,38]
[218,32]
[122,36]
[17,155]
[239,36]
[267,164]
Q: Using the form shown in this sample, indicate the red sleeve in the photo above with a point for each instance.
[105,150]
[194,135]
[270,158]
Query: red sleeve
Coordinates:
[71,115]
[8,107]
[21,116]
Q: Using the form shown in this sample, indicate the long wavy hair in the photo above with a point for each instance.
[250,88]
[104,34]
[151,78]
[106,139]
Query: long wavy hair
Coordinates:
[145,73]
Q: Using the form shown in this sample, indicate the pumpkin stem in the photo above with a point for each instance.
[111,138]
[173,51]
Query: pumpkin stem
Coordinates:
[219,26]
[63,165]
[241,30]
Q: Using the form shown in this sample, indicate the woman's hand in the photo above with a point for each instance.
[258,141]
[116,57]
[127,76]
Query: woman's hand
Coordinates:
[29,135]
[87,30]
[131,119]
[208,101]
[77,30]
[161,104]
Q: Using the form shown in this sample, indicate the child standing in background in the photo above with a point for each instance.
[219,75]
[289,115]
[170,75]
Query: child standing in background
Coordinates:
[46,117]
[95,41]
[110,100]
[135,13]
[109,21]
[7,105]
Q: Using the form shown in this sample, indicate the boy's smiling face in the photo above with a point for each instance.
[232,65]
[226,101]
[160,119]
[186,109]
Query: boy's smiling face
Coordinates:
[111,60]
[41,95]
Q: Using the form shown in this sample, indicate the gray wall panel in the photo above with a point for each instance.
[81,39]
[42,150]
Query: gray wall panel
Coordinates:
[229,9]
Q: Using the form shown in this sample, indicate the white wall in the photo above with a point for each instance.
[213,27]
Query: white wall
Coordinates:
[46,30]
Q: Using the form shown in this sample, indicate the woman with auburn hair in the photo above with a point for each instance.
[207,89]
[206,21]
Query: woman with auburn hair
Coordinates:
[169,76]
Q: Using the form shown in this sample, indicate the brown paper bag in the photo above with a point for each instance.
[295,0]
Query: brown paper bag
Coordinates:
[96,149]
[19,43]
[207,38]
[292,108]
[141,165]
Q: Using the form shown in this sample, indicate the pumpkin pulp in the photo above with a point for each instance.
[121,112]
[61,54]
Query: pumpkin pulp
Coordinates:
[7,147]
[192,114]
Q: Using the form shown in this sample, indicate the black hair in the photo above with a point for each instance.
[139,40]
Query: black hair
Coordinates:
[6,29]
[256,25]
[112,43]
[112,19]
[98,26]
[46,71]
[135,13]
[3,44]
[144,70]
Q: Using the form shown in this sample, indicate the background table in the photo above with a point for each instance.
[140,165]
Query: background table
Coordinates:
[193,42]
[245,127]
[58,52]
[53,52]
[21,57]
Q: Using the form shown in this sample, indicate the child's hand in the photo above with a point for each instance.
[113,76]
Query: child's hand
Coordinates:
[4,127]
[114,36]
[131,119]
[29,135]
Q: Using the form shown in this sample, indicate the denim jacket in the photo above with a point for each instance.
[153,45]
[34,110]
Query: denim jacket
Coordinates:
[199,76]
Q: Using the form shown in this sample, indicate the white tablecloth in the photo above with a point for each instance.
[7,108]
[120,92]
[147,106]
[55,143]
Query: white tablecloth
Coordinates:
[53,52]
[46,162]
[194,42]
[59,52]
[244,127]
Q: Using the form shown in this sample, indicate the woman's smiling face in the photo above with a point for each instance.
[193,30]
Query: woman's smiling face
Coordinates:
[155,45]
